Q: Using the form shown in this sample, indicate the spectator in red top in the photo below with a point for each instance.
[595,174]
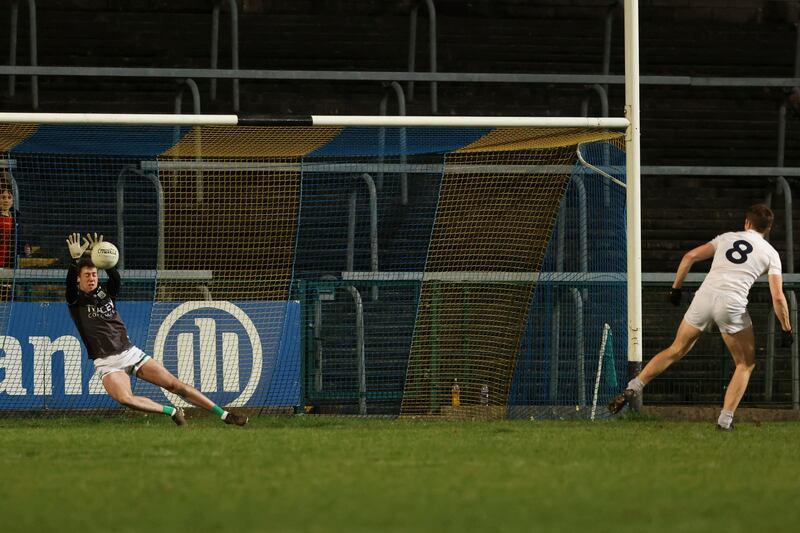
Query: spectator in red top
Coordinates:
[7,233]
[9,249]
[6,228]
[10,245]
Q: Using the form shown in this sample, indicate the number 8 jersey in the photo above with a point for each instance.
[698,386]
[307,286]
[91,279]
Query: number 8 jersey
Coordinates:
[740,257]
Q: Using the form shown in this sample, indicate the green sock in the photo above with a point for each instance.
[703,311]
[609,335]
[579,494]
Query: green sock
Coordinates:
[217,410]
[169,410]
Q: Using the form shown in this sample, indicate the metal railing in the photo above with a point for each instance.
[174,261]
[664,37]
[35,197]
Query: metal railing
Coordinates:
[781,186]
[602,93]
[195,91]
[12,49]
[234,13]
[325,291]
[373,227]
[152,178]
[579,295]
[797,52]
[399,76]
[360,350]
[412,51]
[602,90]
[397,89]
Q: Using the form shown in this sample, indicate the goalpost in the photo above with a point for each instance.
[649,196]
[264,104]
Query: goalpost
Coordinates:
[362,267]
[634,166]
[459,266]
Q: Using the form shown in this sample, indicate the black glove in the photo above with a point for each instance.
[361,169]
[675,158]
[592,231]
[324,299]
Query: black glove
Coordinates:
[675,296]
[786,339]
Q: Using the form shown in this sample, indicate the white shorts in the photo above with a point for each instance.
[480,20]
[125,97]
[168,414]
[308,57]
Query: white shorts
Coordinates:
[728,312]
[129,361]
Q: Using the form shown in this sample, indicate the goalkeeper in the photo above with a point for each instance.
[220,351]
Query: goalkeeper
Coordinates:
[93,309]
[739,258]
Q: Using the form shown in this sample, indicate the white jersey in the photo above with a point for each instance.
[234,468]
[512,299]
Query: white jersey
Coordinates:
[740,257]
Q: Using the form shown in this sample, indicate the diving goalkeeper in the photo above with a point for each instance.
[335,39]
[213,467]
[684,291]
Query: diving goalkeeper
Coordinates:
[93,309]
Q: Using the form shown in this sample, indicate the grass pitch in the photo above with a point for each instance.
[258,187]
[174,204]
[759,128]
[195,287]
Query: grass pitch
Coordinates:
[336,474]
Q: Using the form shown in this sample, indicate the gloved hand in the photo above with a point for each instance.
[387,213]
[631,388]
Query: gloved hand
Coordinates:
[74,244]
[93,240]
[675,296]
[786,339]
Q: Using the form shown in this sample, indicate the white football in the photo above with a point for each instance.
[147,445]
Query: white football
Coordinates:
[105,255]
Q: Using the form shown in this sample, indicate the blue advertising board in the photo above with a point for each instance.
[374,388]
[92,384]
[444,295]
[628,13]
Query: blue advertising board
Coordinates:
[238,353]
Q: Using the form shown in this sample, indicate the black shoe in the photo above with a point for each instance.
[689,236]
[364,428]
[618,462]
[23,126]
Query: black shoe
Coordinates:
[178,417]
[233,418]
[720,428]
[621,400]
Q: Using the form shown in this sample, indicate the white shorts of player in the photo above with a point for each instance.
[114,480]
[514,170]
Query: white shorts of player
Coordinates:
[725,310]
[129,361]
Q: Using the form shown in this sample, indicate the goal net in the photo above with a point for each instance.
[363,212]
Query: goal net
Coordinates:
[422,271]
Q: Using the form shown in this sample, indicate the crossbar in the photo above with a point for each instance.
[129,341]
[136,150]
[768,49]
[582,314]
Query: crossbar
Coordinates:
[315,120]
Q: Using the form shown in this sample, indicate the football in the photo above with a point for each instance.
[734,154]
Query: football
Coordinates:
[105,255]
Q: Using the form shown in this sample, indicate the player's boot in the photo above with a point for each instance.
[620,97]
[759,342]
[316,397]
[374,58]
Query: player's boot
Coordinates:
[233,418]
[720,428]
[621,400]
[178,417]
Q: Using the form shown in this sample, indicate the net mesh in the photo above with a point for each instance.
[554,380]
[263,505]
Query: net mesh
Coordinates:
[582,289]
[355,270]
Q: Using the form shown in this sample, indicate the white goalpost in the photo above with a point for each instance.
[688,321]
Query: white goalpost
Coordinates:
[634,216]
[383,121]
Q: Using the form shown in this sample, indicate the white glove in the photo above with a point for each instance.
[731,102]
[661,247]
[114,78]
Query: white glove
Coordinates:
[74,244]
[92,240]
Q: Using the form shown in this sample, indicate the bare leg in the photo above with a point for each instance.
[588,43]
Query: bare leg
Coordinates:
[155,373]
[742,347]
[684,341]
[118,386]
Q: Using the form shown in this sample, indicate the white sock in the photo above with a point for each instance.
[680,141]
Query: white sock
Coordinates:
[635,385]
[725,418]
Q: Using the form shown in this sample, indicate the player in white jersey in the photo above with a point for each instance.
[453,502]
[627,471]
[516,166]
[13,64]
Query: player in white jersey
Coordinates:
[739,259]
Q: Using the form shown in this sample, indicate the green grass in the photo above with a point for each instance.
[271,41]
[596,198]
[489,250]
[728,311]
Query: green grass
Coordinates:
[340,474]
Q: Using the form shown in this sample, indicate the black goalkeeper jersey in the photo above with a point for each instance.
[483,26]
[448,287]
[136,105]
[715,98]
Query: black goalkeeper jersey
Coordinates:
[95,315]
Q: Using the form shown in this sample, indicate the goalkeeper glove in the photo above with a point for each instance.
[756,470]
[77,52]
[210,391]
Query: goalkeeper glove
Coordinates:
[74,244]
[675,296]
[786,339]
[93,240]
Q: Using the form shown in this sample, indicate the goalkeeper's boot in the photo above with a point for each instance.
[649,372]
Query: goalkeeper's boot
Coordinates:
[621,400]
[179,417]
[238,420]
[722,428]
